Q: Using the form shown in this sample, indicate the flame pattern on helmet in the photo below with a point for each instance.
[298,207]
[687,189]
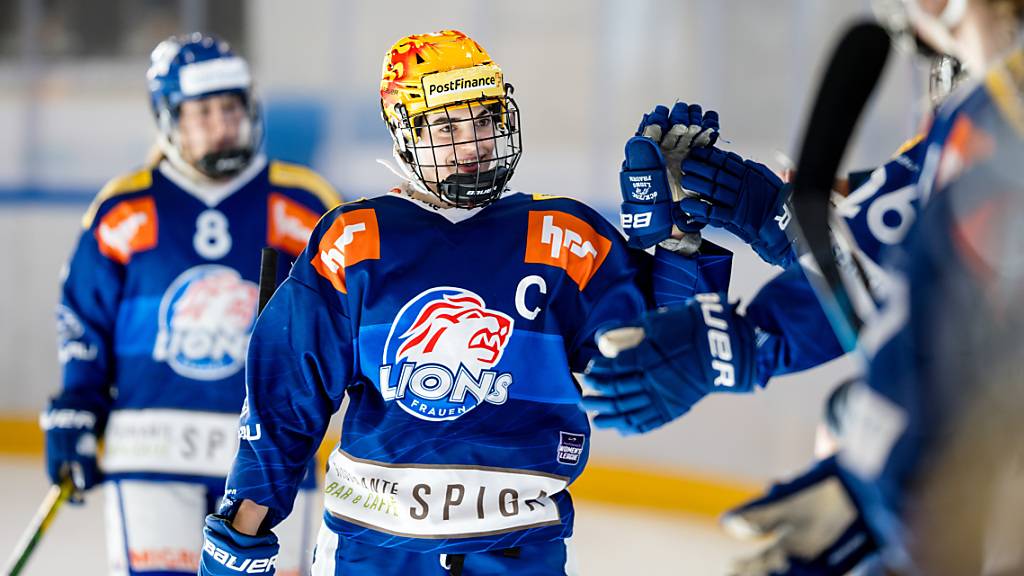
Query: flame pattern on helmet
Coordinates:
[438,73]
[417,55]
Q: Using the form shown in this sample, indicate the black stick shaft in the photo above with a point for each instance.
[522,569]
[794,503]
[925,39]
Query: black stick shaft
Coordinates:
[853,72]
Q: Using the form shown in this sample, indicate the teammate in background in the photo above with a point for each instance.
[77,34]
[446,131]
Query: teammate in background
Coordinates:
[452,315]
[158,302]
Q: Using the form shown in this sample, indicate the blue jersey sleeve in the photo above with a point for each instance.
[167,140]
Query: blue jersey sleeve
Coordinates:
[617,292]
[631,281]
[299,363]
[90,297]
[793,333]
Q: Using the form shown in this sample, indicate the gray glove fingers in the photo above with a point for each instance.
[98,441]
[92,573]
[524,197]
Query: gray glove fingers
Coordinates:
[679,138]
[704,138]
[652,131]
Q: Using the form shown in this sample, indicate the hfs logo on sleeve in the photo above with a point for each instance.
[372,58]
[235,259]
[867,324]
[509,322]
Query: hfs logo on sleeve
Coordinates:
[352,238]
[563,240]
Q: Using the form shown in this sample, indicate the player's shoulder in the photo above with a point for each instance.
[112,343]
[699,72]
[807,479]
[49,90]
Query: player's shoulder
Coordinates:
[339,212]
[912,147]
[285,175]
[126,186]
[567,205]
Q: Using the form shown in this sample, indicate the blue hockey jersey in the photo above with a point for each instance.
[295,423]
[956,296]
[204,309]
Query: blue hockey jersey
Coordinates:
[158,303]
[947,345]
[794,332]
[455,335]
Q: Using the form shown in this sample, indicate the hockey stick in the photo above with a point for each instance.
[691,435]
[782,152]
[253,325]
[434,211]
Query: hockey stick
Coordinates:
[852,74]
[55,497]
[268,277]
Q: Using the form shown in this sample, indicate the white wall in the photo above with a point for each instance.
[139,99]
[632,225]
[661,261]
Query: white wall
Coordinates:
[584,72]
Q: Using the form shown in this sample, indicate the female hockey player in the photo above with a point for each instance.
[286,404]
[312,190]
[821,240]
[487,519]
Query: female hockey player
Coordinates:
[452,315]
[157,306]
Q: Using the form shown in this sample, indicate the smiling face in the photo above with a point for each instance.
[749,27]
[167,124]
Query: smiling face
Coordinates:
[456,141]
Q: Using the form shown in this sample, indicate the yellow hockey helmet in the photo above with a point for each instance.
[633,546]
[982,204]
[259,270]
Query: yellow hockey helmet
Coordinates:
[438,74]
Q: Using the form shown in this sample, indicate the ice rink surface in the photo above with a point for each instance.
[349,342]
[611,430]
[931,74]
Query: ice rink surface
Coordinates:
[608,540]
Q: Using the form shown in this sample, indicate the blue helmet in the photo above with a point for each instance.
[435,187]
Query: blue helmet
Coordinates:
[196,66]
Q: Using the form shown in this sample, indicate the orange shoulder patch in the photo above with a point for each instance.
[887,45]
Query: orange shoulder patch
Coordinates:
[965,146]
[289,223]
[563,240]
[352,238]
[128,228]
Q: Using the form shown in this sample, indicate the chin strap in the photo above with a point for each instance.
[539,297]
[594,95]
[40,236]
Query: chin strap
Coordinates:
[413,189]
[403,172]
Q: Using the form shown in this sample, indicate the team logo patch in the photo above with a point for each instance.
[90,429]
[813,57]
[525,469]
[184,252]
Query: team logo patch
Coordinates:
[289,224]
[570,447]
[563,240]
[128,228]
[206,316]
[441,353]
[352,238]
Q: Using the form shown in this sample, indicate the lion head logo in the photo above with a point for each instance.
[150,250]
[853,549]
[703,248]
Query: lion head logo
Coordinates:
[205,318]
[441,355]
[454,329]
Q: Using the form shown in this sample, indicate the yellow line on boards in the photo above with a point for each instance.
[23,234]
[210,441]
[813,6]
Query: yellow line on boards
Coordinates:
[20,434]
[619,483]
[638,485]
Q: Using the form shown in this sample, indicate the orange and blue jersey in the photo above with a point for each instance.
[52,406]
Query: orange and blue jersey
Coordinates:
[455,335]
[158,303]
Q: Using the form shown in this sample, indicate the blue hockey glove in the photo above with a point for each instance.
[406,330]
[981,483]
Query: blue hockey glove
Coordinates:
[228,552]
[71,428]
[817,527]
[742,196]
[655,370]
[649,180]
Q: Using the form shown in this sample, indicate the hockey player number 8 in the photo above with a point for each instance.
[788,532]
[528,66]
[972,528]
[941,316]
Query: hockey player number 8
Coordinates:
[212,239]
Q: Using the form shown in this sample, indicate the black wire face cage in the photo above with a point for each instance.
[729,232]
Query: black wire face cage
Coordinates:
[472,168]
